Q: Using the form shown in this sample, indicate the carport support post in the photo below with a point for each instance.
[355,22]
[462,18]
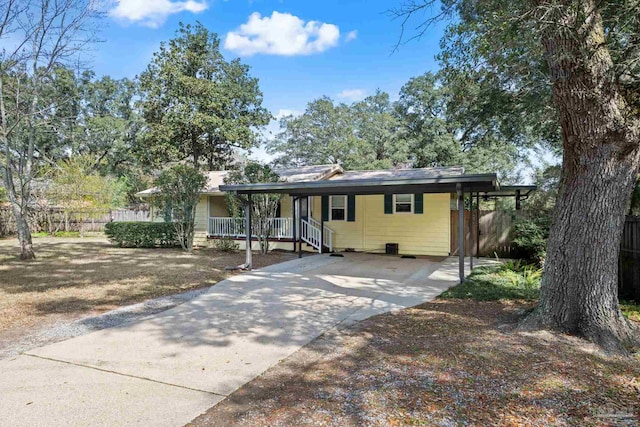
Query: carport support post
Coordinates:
[321,234]
[299,228]
[247,229]
[460,231]
[478,225]
[293,215]
[470,231]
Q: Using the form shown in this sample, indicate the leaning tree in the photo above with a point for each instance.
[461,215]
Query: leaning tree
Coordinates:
[579,63]
[37,37]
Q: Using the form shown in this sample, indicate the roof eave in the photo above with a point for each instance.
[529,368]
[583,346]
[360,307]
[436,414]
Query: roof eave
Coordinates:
[442,184]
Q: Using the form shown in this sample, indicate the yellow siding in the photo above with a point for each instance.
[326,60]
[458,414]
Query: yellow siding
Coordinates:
[285,207]
[218,206]
[417,234]
[202,220]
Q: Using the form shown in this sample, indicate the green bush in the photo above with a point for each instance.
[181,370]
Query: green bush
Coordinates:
[530,239]
[141,234]
[226,244]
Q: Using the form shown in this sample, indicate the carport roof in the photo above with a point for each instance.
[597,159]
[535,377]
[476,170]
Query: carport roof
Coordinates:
[446,183]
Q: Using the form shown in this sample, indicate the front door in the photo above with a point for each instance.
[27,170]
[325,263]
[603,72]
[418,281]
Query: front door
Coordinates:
[304,208]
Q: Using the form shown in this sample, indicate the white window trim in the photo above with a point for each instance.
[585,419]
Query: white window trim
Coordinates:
[413,205]
[331,208]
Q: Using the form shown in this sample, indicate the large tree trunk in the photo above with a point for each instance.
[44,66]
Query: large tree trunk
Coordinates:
[601,142]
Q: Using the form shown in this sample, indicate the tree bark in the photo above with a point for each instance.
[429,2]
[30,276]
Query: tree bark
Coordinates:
[24,234]
[601,141]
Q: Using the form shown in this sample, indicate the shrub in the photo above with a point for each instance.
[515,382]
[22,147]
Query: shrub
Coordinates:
[498,283]
[530,239]
[226,244]
[179,191]
[141,234]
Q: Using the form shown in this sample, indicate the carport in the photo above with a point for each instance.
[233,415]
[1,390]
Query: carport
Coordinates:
[463,186]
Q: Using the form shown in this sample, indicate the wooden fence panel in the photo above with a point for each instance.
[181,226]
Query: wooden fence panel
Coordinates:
[629,261]
[53,219]
[495,232]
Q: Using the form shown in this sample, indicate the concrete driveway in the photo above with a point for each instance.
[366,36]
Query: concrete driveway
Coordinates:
[168,368]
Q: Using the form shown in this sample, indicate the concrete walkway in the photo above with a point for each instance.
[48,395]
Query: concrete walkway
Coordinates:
[167,369]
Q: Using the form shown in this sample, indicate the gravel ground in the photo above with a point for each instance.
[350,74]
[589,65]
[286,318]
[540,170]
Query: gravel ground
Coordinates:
[61,331]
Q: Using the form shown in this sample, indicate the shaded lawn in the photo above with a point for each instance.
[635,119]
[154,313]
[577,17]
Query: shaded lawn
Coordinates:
[455,361]
[496,283]
[72,278]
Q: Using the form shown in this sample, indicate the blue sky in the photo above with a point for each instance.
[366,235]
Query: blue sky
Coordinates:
[300,50]
[345,53]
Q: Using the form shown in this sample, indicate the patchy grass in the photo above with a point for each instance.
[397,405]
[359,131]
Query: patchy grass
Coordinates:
[41,234]
[631,310]
[447,363]
[507,282]
[513,281]
[72,278]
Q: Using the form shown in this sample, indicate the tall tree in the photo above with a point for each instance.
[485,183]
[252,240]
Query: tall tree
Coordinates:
[589,55]
[324,134]
[377,126]
[197,105]
[448,122]
[38,37]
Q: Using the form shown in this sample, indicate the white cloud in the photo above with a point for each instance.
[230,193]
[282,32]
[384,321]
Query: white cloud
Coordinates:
[285,113]
[153,13]
[353,94]
[351,35]
[281,34]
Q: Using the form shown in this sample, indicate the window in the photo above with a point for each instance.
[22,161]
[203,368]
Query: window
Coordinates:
[337,208]
[403,203]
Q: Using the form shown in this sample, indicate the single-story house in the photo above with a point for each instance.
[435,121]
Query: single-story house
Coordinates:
[407,211]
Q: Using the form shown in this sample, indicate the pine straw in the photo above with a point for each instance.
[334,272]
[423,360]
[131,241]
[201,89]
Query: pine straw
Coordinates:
[73,278]
[446,363]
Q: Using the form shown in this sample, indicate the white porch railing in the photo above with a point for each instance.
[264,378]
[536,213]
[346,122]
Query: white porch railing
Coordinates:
[282,228]
[226,227]
[327,238]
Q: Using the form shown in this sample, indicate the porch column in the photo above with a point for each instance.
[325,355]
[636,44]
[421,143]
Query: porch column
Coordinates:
[470,231]
[460,231]
[293,225]
[300,228]
[247,231]
[478,225]
[322,232]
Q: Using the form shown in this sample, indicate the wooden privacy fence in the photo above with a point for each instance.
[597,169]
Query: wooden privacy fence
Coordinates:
[50,220]
[495,232]
[629,261]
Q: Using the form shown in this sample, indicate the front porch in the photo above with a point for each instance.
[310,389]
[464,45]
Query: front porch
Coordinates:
[282,229]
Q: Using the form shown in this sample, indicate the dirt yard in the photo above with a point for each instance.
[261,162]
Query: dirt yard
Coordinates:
[73,278]
[447,363]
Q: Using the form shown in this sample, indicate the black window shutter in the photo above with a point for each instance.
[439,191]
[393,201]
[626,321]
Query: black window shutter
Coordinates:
[279,210]
[325,208]
[418,199]
[388,204]
[351,208]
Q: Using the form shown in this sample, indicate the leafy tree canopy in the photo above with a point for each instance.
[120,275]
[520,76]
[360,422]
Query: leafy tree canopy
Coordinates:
[196,104]
[430,125]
